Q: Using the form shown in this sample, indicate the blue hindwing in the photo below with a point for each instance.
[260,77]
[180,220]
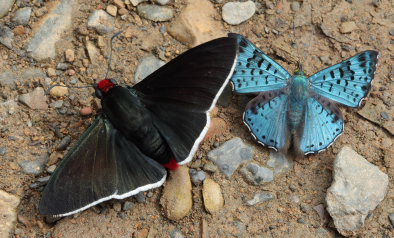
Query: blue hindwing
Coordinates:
[322,126]
[255,71]
[347,82]
[267,121]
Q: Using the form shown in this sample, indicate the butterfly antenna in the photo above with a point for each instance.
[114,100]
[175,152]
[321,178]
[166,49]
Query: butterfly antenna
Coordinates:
[110,54]
[295,43]
[66,86]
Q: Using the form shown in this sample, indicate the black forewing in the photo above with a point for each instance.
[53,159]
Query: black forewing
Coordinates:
[181,93]
[103,165]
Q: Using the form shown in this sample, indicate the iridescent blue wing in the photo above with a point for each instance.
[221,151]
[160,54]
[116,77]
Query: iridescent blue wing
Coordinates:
[347,82]
[265,117]
[255,71]
[323,124]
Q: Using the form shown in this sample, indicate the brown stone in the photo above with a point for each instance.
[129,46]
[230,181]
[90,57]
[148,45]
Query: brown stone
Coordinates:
[196,24]
[177,194]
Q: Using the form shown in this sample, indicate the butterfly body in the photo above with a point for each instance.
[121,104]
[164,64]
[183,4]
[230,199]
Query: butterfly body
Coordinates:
[124,109]
[297,100]
[295,108]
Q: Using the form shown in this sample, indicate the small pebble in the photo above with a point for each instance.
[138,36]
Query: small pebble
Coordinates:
[51,169]
[117,206]
[3,150]
[260,198]
[64,143]
[385,116]
[127,206]
[197,176]
[51,72]
[155,13]
[62,66]
[58,91]
[176,234]
[56,104]
[86,111]
[112,10]
[391,32]
[295,6]
[69,54]
[123,11]
[140,197]
[304,208]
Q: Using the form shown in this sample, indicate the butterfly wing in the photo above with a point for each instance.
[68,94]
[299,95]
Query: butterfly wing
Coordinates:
[266,119]
[255,71]
[323,124]
[347,82]
[181,93]
[101,166]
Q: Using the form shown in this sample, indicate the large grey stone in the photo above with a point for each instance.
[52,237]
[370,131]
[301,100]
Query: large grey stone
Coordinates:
[155,13]
[358,187]
[230,155]
[5,6]
[50,31]
[147,65]
[101,22]
[235,13]
[22,16]
[8,214]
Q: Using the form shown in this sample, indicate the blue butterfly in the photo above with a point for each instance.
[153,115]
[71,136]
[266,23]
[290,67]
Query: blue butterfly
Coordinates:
[297,108]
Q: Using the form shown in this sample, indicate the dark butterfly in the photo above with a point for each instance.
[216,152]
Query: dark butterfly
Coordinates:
[304,109]
[158,122]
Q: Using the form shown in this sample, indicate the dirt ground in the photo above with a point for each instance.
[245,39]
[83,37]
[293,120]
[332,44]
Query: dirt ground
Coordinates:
[317,42]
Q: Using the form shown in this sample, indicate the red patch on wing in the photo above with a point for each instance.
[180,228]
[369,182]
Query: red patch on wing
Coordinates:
[105,85]
[172,165]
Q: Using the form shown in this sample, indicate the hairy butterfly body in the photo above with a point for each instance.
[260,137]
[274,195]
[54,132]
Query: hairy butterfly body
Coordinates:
[296,108]
[156,124]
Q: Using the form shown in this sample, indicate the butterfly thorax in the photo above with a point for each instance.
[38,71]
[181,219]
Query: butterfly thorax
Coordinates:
[297,98]
[127,113]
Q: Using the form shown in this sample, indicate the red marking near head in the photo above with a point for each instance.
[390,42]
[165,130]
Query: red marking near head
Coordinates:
[172,165]
[105,85]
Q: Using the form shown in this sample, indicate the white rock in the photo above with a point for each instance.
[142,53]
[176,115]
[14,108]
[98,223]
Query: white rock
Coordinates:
[50,31]
[5,6]
[358,187]
[22,16]
[8,205]
[235,13]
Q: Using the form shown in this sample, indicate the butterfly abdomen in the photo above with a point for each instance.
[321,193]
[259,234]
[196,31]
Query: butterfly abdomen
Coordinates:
[126,112]
[297,101]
